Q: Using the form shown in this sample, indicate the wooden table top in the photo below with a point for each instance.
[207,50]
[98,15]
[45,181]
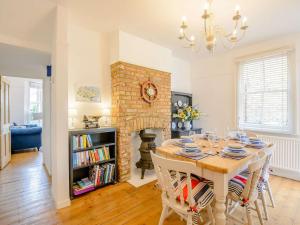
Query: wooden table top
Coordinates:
[214,163]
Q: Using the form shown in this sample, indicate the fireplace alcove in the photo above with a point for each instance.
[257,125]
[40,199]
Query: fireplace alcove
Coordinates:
[130,114]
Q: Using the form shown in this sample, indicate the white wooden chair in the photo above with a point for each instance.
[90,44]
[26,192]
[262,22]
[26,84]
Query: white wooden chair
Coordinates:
[263,184]
[181,190]
[243,191]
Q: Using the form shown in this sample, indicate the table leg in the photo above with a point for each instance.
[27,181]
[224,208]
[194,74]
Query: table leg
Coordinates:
[221,190]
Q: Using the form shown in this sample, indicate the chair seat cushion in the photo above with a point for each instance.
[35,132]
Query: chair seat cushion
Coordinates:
[201,191]
[236,185]
[262,181]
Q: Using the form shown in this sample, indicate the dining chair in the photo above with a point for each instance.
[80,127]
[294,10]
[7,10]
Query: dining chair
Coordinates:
[243,191]
[182,191]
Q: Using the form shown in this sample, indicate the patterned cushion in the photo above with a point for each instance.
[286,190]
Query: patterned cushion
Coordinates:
[262,181]
[236,185]
[201,191]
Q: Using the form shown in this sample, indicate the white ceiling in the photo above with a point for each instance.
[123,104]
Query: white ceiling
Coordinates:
[23,62]
[154,20]
[29,21]
[158,20]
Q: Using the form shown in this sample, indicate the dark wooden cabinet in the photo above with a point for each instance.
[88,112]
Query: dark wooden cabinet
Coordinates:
[177,127]
[177,133]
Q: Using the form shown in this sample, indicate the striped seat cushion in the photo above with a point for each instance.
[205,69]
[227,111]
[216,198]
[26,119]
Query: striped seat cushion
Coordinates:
[201,191]
[262,181]
[236,185]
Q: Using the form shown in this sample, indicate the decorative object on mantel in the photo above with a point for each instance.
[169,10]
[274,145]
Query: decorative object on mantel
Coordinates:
[87,94]
[187,114]
[91,121]
[149,91]
[211,31]
[147,145]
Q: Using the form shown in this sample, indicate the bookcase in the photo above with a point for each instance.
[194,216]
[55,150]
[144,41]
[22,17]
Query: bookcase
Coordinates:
[92,159]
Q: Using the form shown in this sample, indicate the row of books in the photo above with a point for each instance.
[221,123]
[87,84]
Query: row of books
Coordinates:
[82,141]
[89,157]
[83,186]
[104,174]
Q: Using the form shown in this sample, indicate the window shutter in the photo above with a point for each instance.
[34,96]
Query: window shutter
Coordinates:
[263,95]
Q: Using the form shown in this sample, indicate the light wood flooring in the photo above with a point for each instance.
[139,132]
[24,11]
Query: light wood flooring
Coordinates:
[25,199]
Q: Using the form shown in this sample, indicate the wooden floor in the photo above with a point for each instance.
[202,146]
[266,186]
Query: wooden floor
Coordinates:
[25,199]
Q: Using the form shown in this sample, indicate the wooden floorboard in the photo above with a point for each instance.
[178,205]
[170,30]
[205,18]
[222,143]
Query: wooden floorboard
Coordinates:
[25,198]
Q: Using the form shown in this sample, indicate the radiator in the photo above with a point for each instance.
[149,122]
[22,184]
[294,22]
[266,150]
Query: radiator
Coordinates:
[286,156]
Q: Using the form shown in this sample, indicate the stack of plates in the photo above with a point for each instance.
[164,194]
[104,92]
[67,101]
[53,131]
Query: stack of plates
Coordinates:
[182,142]
[191,150]
[255,143]
[234,150]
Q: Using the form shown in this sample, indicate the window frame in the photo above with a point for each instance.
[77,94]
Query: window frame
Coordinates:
[291,104]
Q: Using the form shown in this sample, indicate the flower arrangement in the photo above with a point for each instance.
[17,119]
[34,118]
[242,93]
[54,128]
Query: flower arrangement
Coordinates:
[187,113]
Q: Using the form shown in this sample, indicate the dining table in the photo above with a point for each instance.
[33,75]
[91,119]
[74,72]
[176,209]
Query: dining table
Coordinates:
[216,168]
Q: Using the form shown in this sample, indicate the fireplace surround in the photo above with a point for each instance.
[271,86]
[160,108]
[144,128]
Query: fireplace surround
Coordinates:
[130,113]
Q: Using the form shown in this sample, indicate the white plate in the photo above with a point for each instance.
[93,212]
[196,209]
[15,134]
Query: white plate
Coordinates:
[227,152]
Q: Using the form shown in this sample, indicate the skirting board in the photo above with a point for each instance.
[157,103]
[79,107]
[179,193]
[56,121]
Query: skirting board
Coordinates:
[62,204]
[291,174]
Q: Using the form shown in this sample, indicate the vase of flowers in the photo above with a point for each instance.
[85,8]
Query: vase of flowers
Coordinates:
[187,114]
[187,125]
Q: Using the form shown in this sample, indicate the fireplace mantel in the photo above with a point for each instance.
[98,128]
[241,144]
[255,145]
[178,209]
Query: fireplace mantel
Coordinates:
[131,113]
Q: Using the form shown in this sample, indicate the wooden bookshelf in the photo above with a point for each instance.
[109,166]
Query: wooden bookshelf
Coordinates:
[100,138]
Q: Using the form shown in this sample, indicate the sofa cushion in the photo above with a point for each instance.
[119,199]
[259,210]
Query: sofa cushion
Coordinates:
[25,131]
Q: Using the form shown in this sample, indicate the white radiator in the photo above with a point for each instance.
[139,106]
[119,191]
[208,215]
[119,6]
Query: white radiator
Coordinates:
[286,156]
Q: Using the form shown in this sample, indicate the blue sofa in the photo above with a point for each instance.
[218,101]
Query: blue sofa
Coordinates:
[25,137]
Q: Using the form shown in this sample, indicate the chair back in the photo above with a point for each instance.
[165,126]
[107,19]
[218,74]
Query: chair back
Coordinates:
[255,169]
[266,166]
[170,172]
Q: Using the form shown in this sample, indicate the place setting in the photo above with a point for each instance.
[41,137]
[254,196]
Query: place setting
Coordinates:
[255,142]
[189,149]
[234,151]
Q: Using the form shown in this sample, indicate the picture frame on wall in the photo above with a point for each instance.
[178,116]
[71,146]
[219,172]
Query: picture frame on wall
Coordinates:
[87,93]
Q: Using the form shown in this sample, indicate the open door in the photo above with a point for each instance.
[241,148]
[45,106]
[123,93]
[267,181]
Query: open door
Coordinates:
[5,145]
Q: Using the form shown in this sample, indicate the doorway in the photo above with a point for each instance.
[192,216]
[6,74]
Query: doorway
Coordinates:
[27,174]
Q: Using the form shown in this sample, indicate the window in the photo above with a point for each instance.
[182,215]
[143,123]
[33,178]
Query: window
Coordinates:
[263,94]
[35,102]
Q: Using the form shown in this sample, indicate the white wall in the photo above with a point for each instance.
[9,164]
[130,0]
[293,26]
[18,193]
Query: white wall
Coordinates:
[181,78]
[91,53]
[214,81]
[141,52]
[88,65]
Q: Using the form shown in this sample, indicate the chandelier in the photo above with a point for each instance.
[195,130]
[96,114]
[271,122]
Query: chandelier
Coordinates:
[211,31]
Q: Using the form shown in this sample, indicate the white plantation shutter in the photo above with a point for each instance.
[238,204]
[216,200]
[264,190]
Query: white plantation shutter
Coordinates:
[263,95]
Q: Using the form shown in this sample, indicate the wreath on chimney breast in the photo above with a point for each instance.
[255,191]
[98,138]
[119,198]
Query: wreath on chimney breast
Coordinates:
[149,91]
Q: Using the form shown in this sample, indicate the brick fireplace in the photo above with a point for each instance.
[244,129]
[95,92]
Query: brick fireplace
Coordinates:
[130,113]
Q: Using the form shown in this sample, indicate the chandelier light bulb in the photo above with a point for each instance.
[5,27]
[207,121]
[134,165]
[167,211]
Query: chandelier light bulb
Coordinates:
[212,32]
[206,6]
[237,9]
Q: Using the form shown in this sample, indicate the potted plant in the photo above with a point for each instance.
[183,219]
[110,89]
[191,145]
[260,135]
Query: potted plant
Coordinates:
[187,114]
